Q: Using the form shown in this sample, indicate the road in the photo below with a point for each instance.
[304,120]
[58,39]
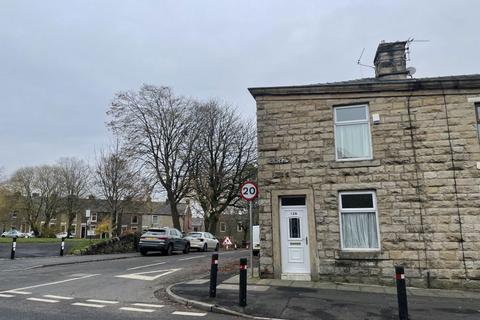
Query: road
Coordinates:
[131,288]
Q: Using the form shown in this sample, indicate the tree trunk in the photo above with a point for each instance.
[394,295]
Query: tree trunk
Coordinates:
[175,215]
[212,223]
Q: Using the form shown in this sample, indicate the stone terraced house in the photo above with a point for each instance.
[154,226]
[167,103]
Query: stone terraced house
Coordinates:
[359,176]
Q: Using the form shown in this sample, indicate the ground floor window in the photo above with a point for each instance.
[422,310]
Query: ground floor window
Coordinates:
[359,221]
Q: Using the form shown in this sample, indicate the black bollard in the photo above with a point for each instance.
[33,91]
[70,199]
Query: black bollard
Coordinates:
[401,293]
[14,247]
[243,283]
[213,275]
[62,247]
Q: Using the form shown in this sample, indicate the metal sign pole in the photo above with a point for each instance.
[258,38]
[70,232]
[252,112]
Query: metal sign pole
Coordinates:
[251,237]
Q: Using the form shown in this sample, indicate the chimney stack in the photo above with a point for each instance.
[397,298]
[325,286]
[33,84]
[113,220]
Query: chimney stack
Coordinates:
[390,61]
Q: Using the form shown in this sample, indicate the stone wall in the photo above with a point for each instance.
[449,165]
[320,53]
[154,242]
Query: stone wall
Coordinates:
[424,172]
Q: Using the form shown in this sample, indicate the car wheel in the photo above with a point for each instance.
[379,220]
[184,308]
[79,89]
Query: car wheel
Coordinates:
[187,248]
[217,247]
[169,250]
[143,252]
[205,247]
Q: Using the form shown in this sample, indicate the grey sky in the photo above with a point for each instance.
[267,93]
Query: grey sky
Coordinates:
[62,61]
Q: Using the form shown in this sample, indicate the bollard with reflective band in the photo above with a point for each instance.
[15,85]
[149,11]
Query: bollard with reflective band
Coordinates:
[14,248]
[62,248]
[213,275]
[243,283]
[401,293]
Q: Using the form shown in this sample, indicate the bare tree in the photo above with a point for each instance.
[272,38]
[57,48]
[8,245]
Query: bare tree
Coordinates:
[159,130]
[225,157]
[75,178]
[117,182]
[23,183]
[48,183]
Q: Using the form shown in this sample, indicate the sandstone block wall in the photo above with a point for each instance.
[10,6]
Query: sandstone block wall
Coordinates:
[424,171]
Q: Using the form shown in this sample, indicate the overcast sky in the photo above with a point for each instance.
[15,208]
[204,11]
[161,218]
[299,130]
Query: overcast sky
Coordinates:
[62,61]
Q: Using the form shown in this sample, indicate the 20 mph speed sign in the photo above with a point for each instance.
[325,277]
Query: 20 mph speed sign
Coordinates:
[248,191]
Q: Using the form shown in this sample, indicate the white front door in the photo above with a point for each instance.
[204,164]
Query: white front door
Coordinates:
[294,243]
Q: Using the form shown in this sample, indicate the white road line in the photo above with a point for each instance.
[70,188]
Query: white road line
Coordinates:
[102,301]
[184,259]
[43,300]
[136,309]
[51,296]
[49,284]
[192,314]
[146,266]
[18,292]
[6,295]
[148,305]
[90,305]
[145,277]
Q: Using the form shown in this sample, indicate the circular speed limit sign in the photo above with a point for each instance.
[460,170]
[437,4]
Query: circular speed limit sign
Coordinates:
[248,191]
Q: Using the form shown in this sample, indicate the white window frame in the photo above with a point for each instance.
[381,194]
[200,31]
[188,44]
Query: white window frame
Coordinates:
[93,214]
[367,121]
[359,210]
[131,219]
[223,227]
[239,227]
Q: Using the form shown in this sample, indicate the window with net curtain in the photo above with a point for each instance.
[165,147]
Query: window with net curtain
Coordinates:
[352,133]
[358,221]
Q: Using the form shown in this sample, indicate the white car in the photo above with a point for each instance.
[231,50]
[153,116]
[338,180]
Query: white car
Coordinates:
[202,241]
[14,234]
[63,235]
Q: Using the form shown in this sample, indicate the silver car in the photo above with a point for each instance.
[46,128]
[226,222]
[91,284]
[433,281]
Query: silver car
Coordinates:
[203,241]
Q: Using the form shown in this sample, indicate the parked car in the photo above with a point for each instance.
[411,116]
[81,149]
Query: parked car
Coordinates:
[203,241]
[63,235]
[256,240]
[165,240]
[14,234]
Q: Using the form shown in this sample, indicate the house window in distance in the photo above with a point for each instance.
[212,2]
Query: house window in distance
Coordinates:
[352,133]
[359,221]
[223,227]
[239,227]
[134,219]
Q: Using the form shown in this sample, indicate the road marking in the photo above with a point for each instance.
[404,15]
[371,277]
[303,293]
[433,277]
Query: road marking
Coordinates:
[148,305]
[192,314]
[143,276]
[198,281]
[136,309]
[184,259]
[43,300]
[146,266]
[18,290]
[102,301]
[57,297]
[6,295]
[90,305]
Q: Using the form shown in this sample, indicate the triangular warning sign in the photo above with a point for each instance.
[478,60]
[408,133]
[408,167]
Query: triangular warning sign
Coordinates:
[227,242]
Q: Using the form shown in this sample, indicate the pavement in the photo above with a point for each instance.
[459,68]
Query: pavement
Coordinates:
[279,299]
[114,286]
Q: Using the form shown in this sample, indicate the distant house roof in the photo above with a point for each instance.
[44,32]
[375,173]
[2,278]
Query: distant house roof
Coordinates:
[134,207]
[372,85]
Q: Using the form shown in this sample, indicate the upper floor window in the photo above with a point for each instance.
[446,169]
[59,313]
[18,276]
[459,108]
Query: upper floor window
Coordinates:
[134,219]
[223,227]
[477,112]
[359,221]
[352,133]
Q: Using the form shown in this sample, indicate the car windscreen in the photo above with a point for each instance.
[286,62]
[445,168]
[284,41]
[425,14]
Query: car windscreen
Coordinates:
[194,235]
[155,233]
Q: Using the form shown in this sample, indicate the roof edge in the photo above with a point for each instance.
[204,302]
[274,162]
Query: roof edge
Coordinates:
[448,82]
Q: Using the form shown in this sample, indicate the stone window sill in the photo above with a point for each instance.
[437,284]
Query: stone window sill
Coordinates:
[355,255]
[355,164]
